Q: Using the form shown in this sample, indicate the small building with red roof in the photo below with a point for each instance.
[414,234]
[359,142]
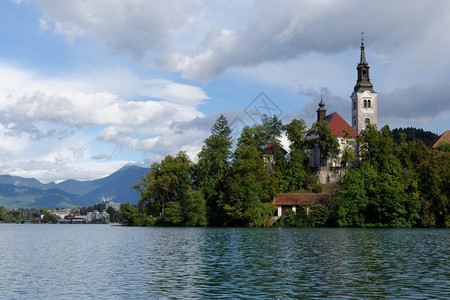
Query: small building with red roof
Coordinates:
[293,201]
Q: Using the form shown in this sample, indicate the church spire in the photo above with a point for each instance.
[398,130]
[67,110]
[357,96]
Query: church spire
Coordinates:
[363,81]
[364,98]
[363,55]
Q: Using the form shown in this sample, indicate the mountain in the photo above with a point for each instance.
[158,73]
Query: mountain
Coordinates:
[12,196]
[20,181]
[117,187]
[28,192]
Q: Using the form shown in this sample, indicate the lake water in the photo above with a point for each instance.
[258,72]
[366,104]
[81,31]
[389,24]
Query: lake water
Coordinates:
[114,262]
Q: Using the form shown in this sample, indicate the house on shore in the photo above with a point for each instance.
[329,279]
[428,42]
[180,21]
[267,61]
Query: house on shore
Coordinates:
[293,201]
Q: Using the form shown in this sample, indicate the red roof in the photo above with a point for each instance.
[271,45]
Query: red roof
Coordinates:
[445,137]
[271,148]
[338,125]
[299,198]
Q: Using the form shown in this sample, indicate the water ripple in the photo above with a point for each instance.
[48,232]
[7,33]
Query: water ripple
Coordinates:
[110,262]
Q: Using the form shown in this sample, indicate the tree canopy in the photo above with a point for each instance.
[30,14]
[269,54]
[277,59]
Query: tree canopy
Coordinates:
[396,183]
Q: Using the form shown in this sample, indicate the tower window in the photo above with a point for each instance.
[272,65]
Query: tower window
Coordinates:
[367,121]
[365,103]
[364,74]
[369,104]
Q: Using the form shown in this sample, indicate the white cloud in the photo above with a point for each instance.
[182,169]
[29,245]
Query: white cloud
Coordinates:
[11,144]
[48,125]
[283,30]
[136,28]
[52,123]
[176,92]
[30,99]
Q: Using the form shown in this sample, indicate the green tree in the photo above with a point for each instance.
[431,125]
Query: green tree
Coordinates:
[434,186]
[353,199]
[443,147]
[348,154]
[212,168]
[271,129]
[167,181]
[48,216]
[296,133]
[298,170]
[174,214]
[296,173]
[250,186]
[321,137]
[195,209]
[267,139]
[114,216]
[430,169]
[3,213]
[378,193]
[134,216]
[129,212]
[410,134]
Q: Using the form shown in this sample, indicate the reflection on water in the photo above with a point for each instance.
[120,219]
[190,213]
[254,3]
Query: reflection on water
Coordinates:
[113,262]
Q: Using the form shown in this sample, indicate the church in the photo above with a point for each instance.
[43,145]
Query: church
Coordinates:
[363,112]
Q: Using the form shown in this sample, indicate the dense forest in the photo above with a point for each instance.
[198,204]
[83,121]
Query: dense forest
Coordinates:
[396,184]
[409,134]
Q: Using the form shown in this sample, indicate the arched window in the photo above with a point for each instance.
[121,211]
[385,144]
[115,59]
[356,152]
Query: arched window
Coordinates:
[369,104]
[365,103]
[367,121]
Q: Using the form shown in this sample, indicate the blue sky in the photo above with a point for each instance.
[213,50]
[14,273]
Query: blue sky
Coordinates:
[89,86]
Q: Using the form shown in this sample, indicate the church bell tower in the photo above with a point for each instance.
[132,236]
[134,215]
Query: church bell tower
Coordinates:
[364,98]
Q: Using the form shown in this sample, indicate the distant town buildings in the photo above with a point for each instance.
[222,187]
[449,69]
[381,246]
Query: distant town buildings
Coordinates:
[93,216]
[71,215]
[62,213]
[106,204]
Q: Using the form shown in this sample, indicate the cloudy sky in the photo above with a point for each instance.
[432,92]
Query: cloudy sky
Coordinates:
[89,86]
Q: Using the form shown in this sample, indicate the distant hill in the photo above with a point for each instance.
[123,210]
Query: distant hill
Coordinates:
[12,196]
[28,192]
[415,134]
[117,187]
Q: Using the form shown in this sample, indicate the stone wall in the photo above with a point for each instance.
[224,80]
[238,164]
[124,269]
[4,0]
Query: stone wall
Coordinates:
[330,174]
